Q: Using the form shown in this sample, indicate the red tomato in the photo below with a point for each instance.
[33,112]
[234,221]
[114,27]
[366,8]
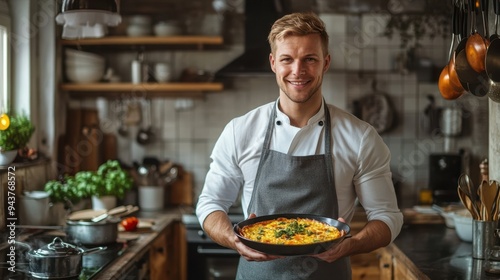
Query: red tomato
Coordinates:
[130,223]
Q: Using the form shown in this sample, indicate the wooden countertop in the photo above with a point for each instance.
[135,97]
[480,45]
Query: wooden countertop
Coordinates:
[139,247]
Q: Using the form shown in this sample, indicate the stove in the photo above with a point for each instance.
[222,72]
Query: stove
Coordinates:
[92,264]
[208,260]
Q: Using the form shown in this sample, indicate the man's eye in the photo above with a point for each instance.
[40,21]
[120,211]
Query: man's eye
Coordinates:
[286,59]
[310,59]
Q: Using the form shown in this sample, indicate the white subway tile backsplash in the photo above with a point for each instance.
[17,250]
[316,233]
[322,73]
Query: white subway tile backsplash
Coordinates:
[334,23]
[360,55]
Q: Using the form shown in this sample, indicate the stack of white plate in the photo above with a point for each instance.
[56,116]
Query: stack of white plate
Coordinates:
[84,67]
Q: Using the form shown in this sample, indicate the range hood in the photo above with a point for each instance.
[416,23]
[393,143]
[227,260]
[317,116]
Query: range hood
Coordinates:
[259,17]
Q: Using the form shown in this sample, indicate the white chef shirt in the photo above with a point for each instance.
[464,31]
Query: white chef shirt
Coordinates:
[361,162]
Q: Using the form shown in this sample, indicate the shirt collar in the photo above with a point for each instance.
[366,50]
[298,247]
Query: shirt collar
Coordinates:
[320,115]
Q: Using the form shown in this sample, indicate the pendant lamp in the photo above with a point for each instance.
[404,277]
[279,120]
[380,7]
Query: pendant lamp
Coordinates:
[87,18]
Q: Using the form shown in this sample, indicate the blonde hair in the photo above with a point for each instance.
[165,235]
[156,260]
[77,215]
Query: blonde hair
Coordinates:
[298,24]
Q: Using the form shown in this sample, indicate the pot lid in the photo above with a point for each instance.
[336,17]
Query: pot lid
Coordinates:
[58,248]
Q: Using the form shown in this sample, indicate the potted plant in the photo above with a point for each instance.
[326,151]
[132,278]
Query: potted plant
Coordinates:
[15,132]
[108,183]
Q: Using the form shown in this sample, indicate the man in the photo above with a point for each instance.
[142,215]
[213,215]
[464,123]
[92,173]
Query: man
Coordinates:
[300,155]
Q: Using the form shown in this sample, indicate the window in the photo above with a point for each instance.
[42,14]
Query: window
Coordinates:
[4,56]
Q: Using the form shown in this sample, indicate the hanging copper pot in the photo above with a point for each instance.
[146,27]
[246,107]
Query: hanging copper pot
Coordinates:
[477,45]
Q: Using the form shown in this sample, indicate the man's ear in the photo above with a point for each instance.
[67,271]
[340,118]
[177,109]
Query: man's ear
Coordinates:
[272,62]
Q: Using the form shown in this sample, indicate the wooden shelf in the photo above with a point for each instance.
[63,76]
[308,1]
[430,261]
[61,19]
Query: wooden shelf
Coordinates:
[113,90]
[146,40]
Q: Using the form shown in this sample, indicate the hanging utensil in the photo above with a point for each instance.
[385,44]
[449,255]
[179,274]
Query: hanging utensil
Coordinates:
[145,135]
[493,53]
[477,45]
[492,61]
[122,129]
[458,28]
[450,86]
[477,83]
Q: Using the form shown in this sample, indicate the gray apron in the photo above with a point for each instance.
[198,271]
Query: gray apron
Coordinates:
[295,184]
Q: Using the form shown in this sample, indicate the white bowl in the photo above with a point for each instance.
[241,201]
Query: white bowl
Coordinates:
[167,29]
[84,56]
[463,225]
[71,62]
[85,74]
[138,30]
[448,219]
[139,20]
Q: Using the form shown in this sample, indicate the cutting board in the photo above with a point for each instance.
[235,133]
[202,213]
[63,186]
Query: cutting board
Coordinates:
[109,151]
[181,191]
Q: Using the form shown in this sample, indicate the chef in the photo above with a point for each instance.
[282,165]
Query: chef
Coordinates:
[300,155]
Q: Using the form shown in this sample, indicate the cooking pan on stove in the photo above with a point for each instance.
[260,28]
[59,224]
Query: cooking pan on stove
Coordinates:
[56,260]
[293,250]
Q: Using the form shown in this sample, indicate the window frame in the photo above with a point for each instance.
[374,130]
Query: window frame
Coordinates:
[5,89]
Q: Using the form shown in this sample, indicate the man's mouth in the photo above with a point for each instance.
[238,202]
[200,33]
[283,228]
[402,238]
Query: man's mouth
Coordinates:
[298,83]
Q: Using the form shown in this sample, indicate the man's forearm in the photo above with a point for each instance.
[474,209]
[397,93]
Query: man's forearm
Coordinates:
[219,228]
[374,235]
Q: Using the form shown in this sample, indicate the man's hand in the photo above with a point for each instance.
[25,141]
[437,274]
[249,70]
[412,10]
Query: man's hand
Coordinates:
[250,254]
[337,251]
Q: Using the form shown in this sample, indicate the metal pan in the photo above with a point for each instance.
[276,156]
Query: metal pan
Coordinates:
[86,232]
[493,53]
[292,250]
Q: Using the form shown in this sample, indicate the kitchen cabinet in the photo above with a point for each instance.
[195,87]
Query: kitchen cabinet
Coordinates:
[167,254]
[363,266]
[120,43]
[394,265]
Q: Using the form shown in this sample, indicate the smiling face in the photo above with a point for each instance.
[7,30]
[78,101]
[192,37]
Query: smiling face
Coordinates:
[299,62]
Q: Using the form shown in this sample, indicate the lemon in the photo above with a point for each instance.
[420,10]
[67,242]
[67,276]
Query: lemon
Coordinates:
[4,121]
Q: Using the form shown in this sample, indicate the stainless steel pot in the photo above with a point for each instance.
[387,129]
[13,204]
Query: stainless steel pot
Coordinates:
[91,233]
[57,260]
[87,232]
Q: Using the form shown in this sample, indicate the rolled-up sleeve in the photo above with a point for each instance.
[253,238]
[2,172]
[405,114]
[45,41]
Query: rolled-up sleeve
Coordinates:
[374,185]
[224,179]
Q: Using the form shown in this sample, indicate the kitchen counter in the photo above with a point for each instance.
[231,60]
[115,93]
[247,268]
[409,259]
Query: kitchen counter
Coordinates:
[142,243]
[433,251]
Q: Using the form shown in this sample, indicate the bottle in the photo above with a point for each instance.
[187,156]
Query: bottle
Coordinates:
[137,69]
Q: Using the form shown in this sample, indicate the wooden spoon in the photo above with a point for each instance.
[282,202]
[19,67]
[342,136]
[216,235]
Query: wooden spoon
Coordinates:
[488,194]
[468,204]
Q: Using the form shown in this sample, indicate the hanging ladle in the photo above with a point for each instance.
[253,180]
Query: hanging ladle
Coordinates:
[145,135]
[122,129]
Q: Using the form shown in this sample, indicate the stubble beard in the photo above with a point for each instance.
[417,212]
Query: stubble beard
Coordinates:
[312,92]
